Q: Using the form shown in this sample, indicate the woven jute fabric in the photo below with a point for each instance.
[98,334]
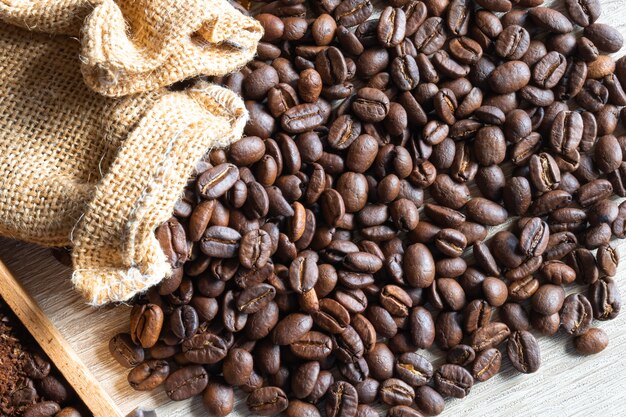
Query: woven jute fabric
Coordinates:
[94,151]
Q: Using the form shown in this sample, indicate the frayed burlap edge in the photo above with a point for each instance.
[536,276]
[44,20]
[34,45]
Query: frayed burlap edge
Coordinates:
[115,258]
[133,46]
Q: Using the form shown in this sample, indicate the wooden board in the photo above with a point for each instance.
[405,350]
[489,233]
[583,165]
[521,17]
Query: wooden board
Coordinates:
[566,384]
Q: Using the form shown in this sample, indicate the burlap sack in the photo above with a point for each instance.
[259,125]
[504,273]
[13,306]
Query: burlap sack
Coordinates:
[78,168]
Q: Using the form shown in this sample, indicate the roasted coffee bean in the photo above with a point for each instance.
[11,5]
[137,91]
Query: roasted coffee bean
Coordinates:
[450,242]
[453,381]
[146,322]
[550,19]
[548,299]
[485,212]
[487,364]
[218,398]
[352,12]
[512,42]
[449,332]
[477,314]
[391,27]
[489,335]
[418,266]
[214,182]
[341,400]
[301,118]
[549,70]
[523,351]
[430,36]
[558,273]
[421,327]
[576,315]
[592,342]
[267,401]
[42,409]
[237,366]
[534,237]
[605,299]
[148,375]
[121,346]
[583,12]
[396,392]
[370,105]
[413,369]
[607,154]
[605,37]
[205,348]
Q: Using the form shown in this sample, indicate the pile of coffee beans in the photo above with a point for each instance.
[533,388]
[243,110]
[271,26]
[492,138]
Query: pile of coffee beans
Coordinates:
[314,258]
[29,384]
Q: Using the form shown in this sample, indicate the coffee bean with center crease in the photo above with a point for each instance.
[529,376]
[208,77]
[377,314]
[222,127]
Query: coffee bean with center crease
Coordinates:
[301,118]
[523,352]
[123,349]
[255,298]
[391,27]
[413,369]
[205,348]
[396,392]
[254,249]
[352,12]
[267,401]
[487,364]
[489,335]
[148,375]
[341,400]
[576,315]
[453,381]
[146,322]
[583,12]
[605,299]
[215,181]
[430,36]
[370,105]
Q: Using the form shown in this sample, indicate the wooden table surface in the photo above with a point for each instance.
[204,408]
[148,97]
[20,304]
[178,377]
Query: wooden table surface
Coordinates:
[565,385]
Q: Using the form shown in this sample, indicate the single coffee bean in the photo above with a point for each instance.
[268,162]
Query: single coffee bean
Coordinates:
[523,351]
[512,43]
[576,315]
[205,348]
[489,335]
[550,19]
[548,299]
[605,37]
[396,392]
[148,375]
[122,348]
[218,398]
[592,342]
[341,400]
[267,401]
[487,364]
[583,12]
[42,409]
[146,322]
[605,299]
[353,12]
[453,381]
[413,369]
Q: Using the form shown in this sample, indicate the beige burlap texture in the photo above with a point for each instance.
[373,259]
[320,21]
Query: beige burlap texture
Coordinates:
[94,151]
